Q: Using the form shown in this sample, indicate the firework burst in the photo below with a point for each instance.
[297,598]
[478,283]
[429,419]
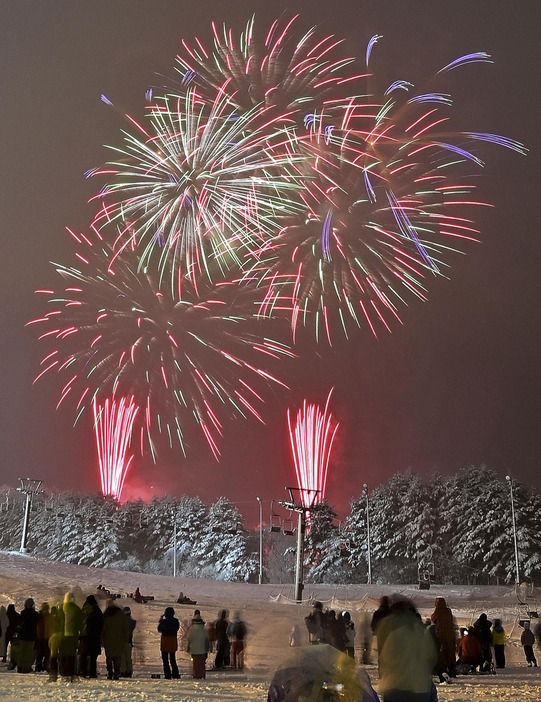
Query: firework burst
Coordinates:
[293,71]
[197,186]
[388,193]
[186,362]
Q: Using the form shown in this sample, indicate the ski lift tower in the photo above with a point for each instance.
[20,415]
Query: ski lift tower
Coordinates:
[301,510]
[30,488]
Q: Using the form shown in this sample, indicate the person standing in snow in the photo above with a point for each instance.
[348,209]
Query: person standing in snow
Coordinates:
[536,631]
[126,663]
[314,624]
[168,627]
[444,624]
[11,635]
[222,641]
[381,612]
[498,641]
[56,623]
[42,640]
[350,634]
[237,635]
[527,640]
[27,632]
[90,638]
[295,636]
[198,645]
[407,655]
[4,623]
[211,635]
[336,630]
[73,621]
[482,629]
[115,637]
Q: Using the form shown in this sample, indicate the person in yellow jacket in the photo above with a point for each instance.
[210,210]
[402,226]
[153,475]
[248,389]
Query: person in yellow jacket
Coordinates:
[407,655]
[498,641]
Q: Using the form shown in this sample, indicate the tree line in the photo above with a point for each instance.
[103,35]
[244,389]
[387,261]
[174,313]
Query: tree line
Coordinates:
[457,529]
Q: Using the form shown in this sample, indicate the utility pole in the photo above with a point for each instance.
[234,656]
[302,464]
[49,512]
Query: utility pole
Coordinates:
[30,488]
[260,540]
[513,517]
[292,506]
[369,555]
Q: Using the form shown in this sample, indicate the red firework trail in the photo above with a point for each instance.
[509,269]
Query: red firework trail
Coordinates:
[312,439]
[113,423]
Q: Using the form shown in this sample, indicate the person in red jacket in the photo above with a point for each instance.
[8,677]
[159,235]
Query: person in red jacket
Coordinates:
[444,624]
[469,650]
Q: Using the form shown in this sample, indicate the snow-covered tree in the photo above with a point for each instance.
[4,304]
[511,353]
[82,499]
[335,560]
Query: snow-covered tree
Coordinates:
[224,544]
[324,561]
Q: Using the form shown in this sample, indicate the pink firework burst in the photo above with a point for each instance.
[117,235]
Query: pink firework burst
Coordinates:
[312,438]
[113,424]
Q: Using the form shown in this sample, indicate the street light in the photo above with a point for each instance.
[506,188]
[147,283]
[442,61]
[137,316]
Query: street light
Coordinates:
[175,548]
[260,540]
[517,574]
[30,488]
[369,557]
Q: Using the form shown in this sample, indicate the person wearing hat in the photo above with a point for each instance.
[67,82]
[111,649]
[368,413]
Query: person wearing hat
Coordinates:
[27,637]
[126,662]
[168,627]
[198,645]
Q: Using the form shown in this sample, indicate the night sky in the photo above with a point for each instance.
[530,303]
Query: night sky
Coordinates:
[457,384]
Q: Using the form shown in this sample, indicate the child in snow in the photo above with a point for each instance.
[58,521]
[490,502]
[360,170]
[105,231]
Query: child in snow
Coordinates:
[498,641]
[295,636]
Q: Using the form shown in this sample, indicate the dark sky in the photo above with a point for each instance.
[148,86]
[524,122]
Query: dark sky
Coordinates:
[458,383]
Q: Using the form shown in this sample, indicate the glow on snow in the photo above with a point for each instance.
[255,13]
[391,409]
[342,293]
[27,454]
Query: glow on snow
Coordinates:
[311,437]
[113,423]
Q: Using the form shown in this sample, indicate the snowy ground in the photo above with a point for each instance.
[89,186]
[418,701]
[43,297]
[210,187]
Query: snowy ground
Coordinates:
[269,612]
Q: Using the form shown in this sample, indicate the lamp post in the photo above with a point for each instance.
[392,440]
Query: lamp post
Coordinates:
[369,556]
[517,571]
[175,548]
[29,487]
[260,540]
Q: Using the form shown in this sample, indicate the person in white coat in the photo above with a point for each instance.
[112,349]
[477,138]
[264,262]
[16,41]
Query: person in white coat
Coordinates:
[198,645]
